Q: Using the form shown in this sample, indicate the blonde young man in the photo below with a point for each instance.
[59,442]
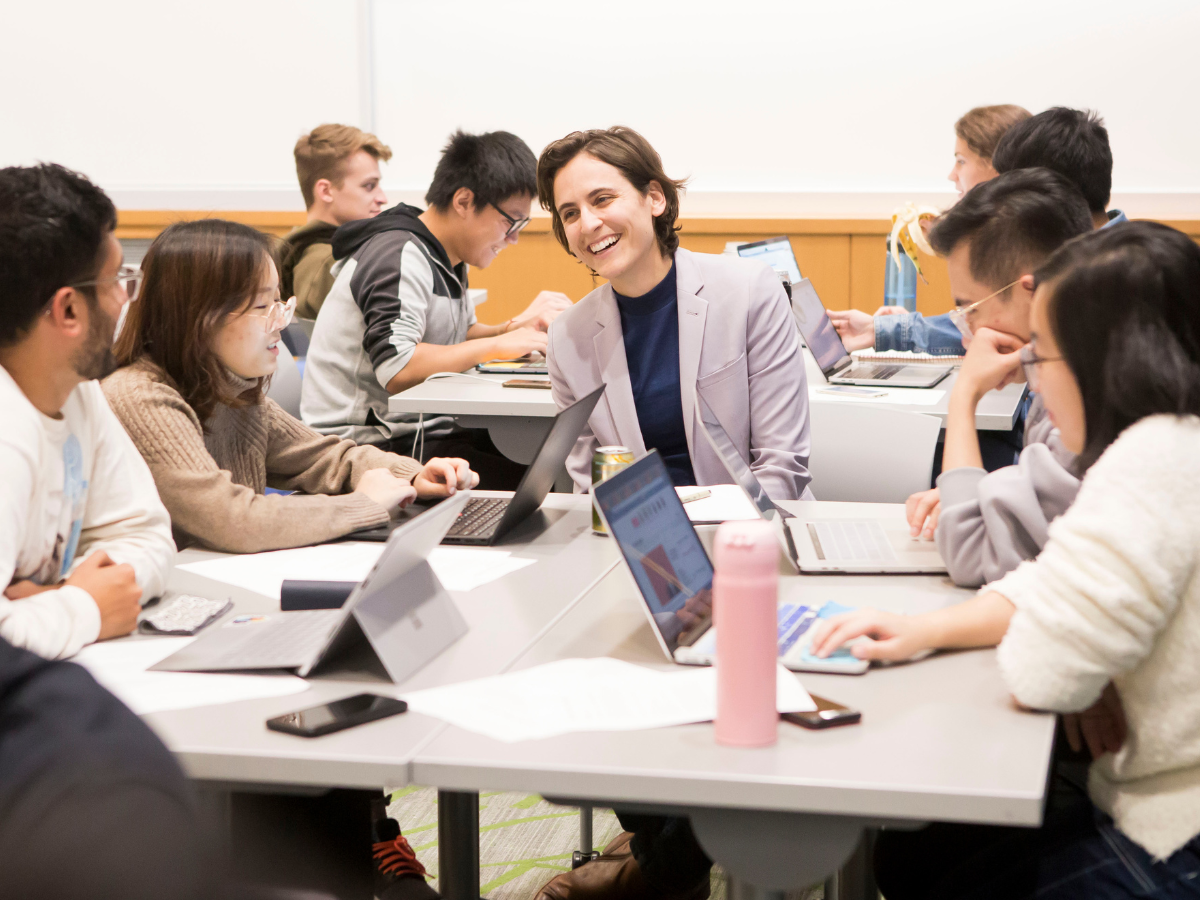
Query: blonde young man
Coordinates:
[338,170]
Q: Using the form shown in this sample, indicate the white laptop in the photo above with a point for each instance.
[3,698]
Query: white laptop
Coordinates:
[400,609]
[876,543]
[837,365]
[673,575]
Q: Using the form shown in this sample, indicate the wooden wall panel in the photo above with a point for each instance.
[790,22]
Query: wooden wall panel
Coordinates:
[844,258]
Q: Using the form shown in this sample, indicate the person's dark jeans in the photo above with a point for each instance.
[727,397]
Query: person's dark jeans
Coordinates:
[668,854]
[1077,853]
[496,471]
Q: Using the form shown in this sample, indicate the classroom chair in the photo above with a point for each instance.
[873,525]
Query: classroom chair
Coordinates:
[868,454]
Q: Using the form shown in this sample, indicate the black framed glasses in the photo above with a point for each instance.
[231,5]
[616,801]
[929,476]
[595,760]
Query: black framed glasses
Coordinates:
[1030,362]
[129,277]
[514,225]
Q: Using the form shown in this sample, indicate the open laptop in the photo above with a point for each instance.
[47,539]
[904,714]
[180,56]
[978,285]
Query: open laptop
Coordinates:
[674,576]
[839,366]
[816,544]
[400,609]
[776,252]
[487,519]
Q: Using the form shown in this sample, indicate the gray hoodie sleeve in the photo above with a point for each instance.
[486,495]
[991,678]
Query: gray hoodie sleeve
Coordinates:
[991,522]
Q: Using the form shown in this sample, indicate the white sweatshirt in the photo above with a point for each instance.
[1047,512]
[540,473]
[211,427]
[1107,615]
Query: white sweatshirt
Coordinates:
[69,487]
[1115,595]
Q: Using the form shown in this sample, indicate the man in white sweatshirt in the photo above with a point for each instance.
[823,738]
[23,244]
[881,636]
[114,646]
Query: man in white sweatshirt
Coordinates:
[993,239]
[84,538]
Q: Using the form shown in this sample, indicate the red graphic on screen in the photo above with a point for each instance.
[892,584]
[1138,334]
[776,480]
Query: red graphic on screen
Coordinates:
[662,575]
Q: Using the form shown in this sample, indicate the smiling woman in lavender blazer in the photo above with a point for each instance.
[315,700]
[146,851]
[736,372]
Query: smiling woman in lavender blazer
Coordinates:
[668,325]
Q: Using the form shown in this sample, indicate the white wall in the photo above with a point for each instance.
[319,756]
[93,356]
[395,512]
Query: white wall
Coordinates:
[775,106]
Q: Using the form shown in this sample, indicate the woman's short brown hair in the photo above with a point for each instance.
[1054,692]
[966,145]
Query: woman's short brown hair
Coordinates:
[625,150]
[982,127]
[324,151]
[194,275]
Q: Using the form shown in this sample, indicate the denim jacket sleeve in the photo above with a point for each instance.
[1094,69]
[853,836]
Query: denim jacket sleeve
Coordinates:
[912,331]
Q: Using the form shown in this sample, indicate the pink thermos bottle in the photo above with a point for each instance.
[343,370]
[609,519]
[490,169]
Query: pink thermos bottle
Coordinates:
[745,592]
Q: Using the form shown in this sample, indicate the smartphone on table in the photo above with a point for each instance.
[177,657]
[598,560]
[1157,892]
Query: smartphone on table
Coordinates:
[330,717]
[827,715]
[527,383]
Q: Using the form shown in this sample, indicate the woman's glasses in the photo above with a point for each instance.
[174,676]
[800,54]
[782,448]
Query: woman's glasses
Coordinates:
[129,277]
[514,225]
[961,315]
[1030,362]
[278,316]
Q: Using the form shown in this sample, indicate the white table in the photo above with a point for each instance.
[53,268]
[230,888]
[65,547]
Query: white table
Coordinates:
[232,756]
[518,418]
[940,740]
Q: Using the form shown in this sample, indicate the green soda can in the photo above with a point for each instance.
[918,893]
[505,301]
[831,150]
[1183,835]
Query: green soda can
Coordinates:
[606,462]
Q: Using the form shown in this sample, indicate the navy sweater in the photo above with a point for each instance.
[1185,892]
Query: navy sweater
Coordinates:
[650,325]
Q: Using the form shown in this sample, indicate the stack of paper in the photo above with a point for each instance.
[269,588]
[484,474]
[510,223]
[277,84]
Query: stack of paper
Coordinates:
[586,695]
[725,503]
[458,568]
[121,667]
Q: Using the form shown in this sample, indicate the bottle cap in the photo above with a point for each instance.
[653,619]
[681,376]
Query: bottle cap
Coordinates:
[746,548]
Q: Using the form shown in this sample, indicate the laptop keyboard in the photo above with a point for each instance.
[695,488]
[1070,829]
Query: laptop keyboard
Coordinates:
[851,541]
[874,373]
[284,641]
[479,517]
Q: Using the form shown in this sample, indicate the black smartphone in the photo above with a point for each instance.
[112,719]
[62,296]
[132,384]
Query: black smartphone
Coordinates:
[827,715]
[330,717]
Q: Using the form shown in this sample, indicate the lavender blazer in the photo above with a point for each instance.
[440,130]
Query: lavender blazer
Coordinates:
[738,348]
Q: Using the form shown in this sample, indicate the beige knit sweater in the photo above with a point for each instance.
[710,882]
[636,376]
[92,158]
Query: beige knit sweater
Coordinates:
[212,479]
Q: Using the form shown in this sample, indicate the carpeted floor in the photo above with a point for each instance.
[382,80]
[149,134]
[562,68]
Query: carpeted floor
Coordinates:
[523,840]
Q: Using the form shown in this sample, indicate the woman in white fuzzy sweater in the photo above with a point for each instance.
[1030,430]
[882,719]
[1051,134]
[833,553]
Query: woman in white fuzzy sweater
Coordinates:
[1110,610]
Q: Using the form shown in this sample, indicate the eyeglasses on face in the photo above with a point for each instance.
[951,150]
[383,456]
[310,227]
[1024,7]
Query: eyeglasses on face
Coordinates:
[129,277]
[961,315]
[514,225]
[1030,362]
[278,316]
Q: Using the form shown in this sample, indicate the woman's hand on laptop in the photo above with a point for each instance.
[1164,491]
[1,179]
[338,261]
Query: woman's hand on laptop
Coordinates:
[443,476]
[386,489]
[923,509]
[854,327]
[892,637]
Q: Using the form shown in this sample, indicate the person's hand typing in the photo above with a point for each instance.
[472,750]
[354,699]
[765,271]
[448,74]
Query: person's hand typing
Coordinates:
[993,360]
[544,309]
[386,489]
[892,637]
[1101,727]
[519,342]
[854,327]
[443,476]
[114,588]
[923,509]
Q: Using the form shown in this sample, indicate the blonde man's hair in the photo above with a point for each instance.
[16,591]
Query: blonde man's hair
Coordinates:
[323,152]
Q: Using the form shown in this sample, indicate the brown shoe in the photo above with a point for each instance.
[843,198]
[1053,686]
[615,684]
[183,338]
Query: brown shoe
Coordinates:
[613,876]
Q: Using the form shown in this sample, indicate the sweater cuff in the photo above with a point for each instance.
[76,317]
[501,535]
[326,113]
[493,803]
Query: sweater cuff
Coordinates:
[85,617]
[403,466]
[357,511]
[959,485]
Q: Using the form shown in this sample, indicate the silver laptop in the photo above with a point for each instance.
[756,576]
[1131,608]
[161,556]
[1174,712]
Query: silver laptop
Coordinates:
[673,575]
[839,366]
[872,544]
[776,252]
[400,609]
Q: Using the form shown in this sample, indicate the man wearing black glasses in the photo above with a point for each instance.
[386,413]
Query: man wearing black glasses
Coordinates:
[83,535]
[399,311]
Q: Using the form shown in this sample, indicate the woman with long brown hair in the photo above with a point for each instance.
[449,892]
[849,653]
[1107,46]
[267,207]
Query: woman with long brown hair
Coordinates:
[196,352]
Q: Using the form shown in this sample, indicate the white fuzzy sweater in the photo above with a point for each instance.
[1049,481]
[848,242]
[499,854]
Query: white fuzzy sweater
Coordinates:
[1115,595]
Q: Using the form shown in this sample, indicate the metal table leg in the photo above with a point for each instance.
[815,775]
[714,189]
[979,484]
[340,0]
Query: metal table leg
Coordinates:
[458,845]
[585,829]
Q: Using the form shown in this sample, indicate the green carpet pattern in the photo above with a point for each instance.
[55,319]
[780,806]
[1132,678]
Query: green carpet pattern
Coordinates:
[523,840]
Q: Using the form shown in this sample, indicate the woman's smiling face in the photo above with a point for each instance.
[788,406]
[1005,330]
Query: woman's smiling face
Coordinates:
[609,224]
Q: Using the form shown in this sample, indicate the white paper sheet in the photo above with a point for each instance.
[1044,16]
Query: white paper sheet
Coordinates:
[899,396]
[727,503]
[586,695]
[459,568]
[121,667]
